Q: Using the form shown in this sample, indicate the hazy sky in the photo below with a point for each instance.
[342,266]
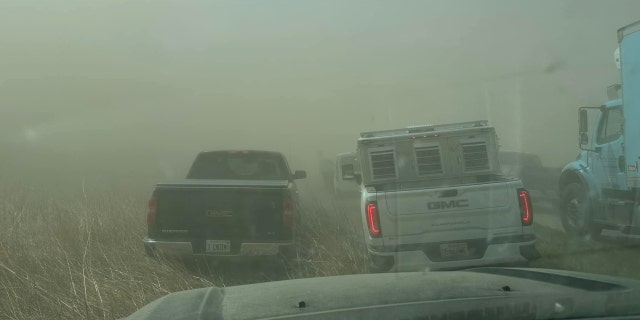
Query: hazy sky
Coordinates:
[163,78]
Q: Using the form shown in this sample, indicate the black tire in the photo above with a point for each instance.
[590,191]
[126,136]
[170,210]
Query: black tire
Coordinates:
[577,209]
[595,231]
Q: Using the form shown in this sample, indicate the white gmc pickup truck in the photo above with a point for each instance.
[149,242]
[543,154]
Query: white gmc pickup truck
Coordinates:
[434,197]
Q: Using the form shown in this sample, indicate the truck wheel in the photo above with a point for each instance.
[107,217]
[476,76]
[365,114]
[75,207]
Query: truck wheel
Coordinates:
[576,210]
[595,231]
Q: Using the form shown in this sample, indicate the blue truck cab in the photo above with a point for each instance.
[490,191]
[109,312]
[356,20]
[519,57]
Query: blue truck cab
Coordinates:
[601,188]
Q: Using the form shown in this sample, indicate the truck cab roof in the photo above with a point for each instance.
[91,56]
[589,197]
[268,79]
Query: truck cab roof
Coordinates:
[241,151]
[350,154]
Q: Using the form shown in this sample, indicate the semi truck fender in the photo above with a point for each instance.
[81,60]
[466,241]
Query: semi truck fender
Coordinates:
[578,171]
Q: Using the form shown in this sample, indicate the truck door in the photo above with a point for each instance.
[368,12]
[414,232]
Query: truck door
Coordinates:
[608,160]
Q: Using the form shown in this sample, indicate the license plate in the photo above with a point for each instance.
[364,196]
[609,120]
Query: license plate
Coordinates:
[218,213]
[218,246]
[450,250]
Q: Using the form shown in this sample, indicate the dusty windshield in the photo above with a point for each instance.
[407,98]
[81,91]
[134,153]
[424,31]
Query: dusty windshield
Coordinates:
[105,104]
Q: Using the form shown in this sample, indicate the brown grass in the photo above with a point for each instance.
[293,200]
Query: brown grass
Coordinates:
[81,256]
[610,256]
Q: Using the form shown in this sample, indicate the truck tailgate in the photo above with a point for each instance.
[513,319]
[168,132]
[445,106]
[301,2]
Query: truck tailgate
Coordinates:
[229,212]
[472,209]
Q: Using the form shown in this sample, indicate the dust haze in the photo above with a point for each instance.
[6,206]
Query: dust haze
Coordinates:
[127,92]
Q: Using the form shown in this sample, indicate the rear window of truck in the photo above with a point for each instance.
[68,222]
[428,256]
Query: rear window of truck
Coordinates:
[239,165]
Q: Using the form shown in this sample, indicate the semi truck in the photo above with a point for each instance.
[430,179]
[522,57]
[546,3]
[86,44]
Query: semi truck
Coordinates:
[601,188]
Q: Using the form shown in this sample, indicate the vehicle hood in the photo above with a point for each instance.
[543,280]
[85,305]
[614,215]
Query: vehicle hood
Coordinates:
[191,183]
[483,293]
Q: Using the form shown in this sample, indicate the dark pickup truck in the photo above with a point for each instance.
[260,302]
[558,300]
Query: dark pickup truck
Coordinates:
[232,203]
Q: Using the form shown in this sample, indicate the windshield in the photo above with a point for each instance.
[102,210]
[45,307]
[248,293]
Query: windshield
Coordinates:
[151,147]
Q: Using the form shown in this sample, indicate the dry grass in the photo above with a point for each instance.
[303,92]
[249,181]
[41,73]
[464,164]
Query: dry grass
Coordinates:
[610,256]
[330,242]
[81,256]
[78,258]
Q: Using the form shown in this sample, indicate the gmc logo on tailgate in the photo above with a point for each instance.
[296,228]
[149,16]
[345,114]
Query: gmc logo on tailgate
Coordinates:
[435,205]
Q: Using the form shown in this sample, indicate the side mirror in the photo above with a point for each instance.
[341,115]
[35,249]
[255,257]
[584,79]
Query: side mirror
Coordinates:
[299,174]
[584,123]
[584,138]
[358,178]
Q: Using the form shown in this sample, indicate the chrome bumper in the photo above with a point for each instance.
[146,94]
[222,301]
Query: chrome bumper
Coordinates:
[184,248]
[504,250]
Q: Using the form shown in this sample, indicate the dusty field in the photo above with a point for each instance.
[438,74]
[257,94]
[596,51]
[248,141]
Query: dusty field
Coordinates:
[80,256]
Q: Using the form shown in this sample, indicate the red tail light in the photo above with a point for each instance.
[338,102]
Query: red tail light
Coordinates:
[526,210]
[287,212]
[151,215]
[373,220]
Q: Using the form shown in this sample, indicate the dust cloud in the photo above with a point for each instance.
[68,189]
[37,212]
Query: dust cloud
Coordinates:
[129,91]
